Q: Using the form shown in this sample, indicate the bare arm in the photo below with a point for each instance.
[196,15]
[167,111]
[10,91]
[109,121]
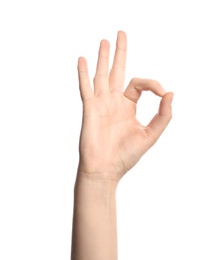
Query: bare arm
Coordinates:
[94,220]
[112,141]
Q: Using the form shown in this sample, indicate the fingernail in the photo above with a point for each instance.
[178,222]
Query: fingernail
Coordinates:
[162,89]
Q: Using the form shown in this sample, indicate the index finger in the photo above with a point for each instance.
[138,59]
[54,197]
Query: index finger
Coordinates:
[137,85]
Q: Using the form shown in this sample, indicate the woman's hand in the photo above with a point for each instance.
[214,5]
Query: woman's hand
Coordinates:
[112,140]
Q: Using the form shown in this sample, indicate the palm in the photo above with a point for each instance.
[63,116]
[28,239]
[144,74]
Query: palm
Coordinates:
[112,140]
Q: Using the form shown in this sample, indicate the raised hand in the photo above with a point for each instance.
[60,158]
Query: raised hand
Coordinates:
[112,140]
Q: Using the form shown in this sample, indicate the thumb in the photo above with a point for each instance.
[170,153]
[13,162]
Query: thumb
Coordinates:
[160,121]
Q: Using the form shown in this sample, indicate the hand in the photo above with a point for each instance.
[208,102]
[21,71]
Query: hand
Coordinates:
[112,140]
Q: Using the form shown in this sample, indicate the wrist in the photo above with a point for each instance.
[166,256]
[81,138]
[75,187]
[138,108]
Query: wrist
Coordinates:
[99,174]
[96,181]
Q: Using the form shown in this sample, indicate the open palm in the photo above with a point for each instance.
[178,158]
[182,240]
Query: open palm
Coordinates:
[112,140]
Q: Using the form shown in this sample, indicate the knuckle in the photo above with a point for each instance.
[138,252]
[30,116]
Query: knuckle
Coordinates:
[119,68]
[134,80]
[156,82]
[100,75]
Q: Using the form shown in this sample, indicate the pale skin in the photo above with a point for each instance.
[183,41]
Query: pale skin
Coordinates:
[112,141]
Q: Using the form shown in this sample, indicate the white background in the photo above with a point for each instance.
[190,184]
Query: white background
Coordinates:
[165,204]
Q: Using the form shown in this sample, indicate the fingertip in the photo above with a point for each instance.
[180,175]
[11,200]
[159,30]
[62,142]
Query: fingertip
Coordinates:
[121,40]
[105,43]
[82,64]
[81,59]
[104,49]
[162,91]
[121,32]
[169,97]
[165,105]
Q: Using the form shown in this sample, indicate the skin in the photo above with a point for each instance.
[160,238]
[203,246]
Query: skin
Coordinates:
[112,141]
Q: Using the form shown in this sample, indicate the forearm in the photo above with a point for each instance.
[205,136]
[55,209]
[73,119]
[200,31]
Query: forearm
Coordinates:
[94,235]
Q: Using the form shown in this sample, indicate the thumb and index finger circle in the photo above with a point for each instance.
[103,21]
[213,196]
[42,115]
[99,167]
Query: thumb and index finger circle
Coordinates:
[159,122]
